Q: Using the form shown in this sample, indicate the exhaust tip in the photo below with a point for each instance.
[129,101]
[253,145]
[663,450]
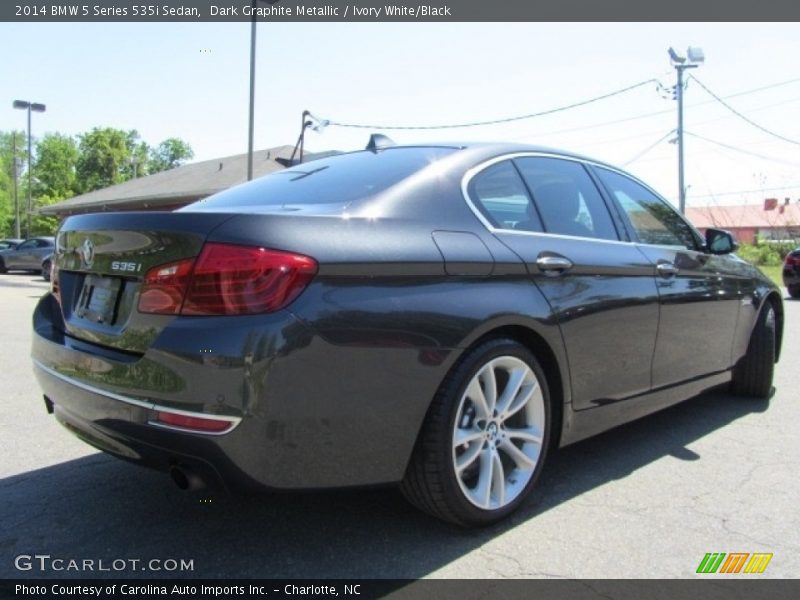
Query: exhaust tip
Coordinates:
[186,479]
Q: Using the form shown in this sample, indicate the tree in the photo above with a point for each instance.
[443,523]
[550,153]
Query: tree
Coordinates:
[138,152]
[55,166]
[169,154]
[104,158]
[55,179]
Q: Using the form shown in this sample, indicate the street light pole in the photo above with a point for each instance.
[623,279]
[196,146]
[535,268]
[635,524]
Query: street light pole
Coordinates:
[681,186]
[251,121]
[29,106]
[695,58]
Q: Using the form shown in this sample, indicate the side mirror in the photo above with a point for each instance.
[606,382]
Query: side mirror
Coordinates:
[719,241]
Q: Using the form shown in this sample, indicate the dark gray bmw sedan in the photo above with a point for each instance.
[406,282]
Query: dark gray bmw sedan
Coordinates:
[436,317]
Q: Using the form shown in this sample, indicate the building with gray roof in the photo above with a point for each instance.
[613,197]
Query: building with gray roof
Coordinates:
[174,188]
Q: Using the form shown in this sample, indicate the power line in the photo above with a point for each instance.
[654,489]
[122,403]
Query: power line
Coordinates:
[662,112]
[735,149]
[769,86]
[496,121]
[734,192]
[752,110]
[650,147]
[741,116]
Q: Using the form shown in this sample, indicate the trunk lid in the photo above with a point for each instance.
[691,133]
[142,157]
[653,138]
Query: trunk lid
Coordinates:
[101,261]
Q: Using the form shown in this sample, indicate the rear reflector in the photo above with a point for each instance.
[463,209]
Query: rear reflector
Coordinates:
[199,424]
[227,280]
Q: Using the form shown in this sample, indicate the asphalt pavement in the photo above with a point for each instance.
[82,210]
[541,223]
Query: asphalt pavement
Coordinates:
[646,500]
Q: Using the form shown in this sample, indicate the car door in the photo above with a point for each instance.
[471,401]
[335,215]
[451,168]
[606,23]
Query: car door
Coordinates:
[43,248]
[699,295]
[22,256]
[601,289]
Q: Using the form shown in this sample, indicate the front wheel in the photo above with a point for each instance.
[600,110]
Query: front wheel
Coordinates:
[752,375]
[484,442]
[3,266]
[794,290]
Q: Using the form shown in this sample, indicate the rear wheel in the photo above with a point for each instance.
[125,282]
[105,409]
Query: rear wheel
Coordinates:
[752,375]
[46,270]
[3,266]
[794,290]
[485,438]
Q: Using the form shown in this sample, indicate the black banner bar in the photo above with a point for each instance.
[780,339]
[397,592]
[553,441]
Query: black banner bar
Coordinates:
[398,10]
[707,588]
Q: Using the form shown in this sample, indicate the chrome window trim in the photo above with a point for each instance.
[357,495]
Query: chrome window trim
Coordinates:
[234,421]
[477,169]
[661,198]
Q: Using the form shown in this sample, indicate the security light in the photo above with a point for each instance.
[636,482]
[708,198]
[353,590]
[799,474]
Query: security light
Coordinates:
[695,55]
[674,56]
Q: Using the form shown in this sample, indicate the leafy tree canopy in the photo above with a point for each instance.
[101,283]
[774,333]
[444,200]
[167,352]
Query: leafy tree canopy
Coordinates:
[64,166]
[169,154]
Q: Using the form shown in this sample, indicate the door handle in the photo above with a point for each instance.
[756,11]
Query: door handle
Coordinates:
[553,265]
[666,269]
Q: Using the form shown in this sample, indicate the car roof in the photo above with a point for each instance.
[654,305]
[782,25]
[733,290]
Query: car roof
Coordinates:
[485,150]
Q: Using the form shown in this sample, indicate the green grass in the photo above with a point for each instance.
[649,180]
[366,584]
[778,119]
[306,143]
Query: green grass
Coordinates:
[774,273]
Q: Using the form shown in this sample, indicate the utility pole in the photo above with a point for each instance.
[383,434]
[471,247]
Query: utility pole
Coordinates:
[695,59]
[679,97]
[251,121]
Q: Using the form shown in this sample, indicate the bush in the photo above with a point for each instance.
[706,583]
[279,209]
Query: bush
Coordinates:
[764,253]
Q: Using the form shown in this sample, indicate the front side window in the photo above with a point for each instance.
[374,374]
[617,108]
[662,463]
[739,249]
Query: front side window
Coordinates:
[566,198]
[654,221]
[500,195]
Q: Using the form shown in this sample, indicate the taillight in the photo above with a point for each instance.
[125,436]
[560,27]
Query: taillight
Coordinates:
[164,288]
[793,260]
[227,280]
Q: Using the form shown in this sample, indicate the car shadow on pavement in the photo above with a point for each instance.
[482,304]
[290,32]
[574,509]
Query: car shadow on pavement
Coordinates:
[97,507]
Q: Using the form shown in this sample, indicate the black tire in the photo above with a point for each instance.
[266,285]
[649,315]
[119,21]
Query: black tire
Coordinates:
[794,290]
[752,375]
[46,270]
[3,266]
[431,482]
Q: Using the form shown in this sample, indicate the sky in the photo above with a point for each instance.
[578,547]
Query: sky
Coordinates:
[191,80]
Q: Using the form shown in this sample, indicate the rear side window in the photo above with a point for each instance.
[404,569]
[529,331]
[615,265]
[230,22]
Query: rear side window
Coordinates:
[654,221]
[500,195]
[337,180]
[567,198]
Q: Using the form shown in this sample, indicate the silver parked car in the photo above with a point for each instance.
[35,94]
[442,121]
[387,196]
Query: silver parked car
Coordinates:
[27,256]
[9,243]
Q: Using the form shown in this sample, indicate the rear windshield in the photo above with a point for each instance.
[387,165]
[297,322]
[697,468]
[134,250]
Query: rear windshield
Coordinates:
[334,181]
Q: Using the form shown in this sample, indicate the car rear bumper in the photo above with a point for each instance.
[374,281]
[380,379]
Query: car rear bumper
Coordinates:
[125,427]
[293,425]
[791,276]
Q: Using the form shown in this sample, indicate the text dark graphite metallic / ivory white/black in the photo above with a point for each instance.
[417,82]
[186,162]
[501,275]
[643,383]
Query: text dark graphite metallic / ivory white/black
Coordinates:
[438,317]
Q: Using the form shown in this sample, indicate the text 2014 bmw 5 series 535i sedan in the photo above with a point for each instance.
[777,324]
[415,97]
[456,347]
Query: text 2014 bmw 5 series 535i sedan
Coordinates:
[434,316]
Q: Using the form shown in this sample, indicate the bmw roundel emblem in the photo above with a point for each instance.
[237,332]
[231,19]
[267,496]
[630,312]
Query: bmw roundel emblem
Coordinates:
[88,253]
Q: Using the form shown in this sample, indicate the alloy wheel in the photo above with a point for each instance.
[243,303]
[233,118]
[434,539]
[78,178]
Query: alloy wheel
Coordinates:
[498,432]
